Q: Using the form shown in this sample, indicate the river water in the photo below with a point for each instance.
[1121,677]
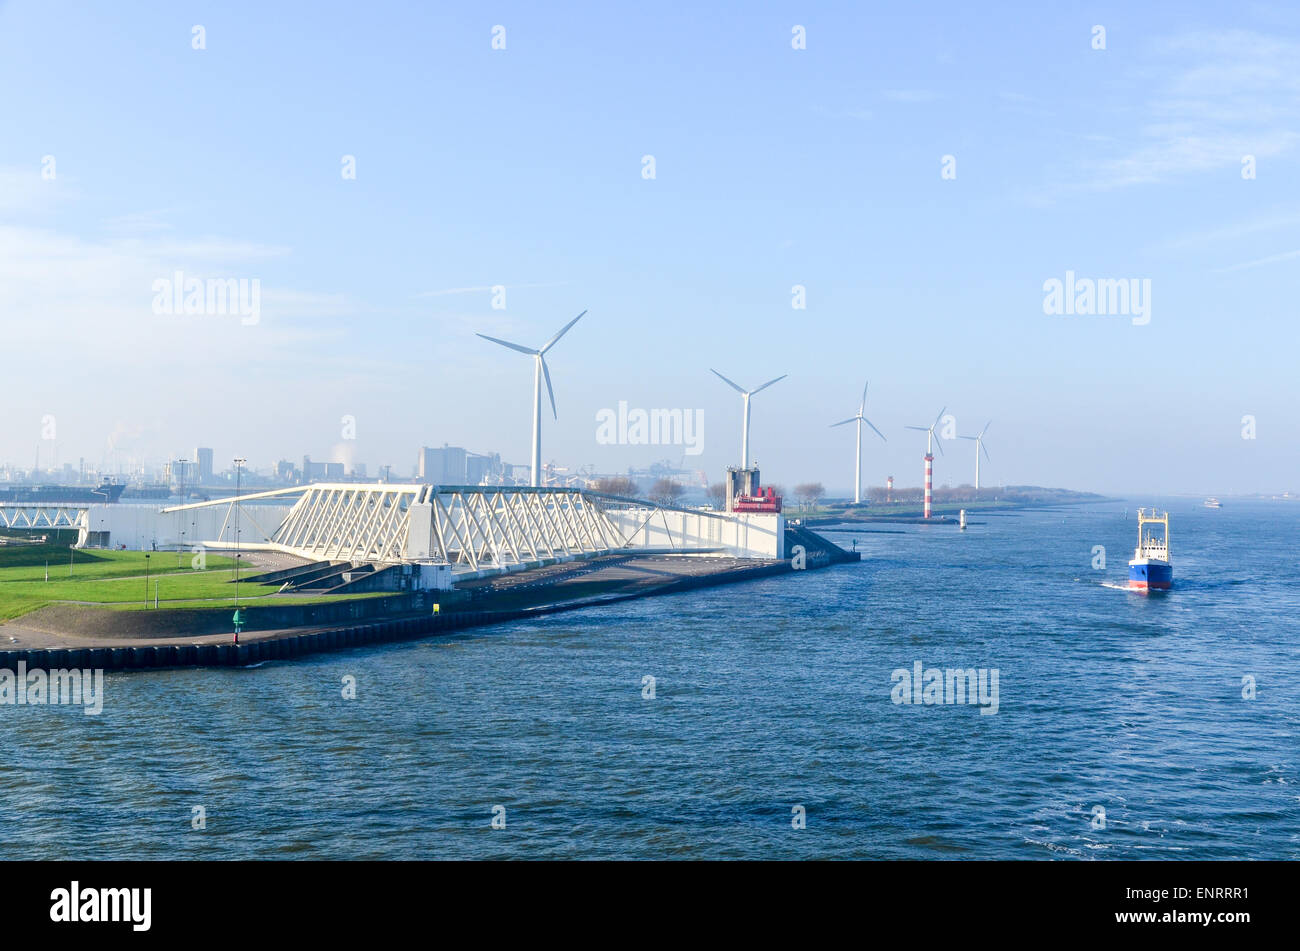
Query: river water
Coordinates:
[1121,729]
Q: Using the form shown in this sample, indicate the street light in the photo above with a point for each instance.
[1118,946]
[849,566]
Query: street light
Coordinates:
[146,580]
[239,465]
[180,513]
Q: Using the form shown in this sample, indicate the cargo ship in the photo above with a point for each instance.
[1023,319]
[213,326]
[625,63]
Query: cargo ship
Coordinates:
[105,492]
[1150,569]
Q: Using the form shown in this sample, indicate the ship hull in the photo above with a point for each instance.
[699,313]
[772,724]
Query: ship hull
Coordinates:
[106,493]
[1150,574]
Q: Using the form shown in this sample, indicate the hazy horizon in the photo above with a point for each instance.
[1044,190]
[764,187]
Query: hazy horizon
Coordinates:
[132,156]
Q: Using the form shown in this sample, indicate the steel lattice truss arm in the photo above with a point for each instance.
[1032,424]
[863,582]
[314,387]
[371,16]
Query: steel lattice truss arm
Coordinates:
[41,516]
[470,527]
[349,522]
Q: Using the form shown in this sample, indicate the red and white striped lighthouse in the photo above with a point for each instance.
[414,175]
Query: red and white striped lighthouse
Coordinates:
[929,481]
[929,457]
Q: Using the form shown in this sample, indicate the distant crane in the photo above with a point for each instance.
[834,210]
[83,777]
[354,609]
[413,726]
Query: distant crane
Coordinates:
[539,370]
[857,457]
[929,457]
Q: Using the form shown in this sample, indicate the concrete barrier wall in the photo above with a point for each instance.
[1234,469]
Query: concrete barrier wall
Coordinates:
[196,622]
[741,535]
[141,527]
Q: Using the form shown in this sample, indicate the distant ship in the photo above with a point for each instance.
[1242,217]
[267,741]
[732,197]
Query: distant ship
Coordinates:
[1213,503]
[106,492]
[1150,569]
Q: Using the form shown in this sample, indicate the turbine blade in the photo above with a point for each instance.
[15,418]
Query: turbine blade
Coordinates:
[919,429]
[872,425]
[986,427]
[976,438]
[726,381]
[939,417]
[769,383]
[512,346]
[546,372]
[938,444]
[986,452]
[851,419]
[862,407]
[563,330]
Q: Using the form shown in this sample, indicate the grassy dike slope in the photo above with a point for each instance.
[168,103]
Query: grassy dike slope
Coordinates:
[116,580]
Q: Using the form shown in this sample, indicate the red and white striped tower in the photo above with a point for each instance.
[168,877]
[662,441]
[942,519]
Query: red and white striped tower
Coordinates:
[929,481]
[929,458]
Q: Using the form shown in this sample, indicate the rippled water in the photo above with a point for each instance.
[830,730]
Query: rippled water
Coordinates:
[768,695]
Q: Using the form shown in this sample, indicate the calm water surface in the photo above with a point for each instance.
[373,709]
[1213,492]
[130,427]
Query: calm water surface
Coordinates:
[769,695]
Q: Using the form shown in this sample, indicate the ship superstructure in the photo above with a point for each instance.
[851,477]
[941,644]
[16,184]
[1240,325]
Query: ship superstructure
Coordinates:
[1151,569]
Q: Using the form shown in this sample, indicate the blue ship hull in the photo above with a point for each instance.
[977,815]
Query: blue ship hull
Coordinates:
[1150,574]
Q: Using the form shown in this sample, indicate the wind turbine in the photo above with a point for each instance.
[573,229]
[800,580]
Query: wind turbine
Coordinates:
[929,457]
[857,459]
[539,370]
[979,447]
[746,394]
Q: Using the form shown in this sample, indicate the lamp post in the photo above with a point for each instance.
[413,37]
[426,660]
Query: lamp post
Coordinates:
[180,514]
[239,466]
[146,579]
[239,615]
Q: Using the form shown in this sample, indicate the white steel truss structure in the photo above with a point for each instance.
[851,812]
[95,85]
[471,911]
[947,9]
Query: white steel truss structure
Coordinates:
[349,523]
[472,528]
[41,516]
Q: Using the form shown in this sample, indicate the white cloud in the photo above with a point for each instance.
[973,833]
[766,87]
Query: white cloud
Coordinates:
[1260,262]
[1215,98]
[1231,232]
[910,95]
[486,288]
[23,190]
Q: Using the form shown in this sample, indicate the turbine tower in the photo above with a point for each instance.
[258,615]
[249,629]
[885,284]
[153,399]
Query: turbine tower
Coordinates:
[929,457]
[979,447]
[540,370]
[746,394]
[857,458]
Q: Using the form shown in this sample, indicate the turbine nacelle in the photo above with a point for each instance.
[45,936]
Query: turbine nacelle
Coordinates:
[980,447]
[979,441]
[745,395]
[859,419]
[540,372]
[930,443]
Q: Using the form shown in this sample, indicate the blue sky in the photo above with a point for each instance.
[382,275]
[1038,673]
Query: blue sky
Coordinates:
[774,167]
